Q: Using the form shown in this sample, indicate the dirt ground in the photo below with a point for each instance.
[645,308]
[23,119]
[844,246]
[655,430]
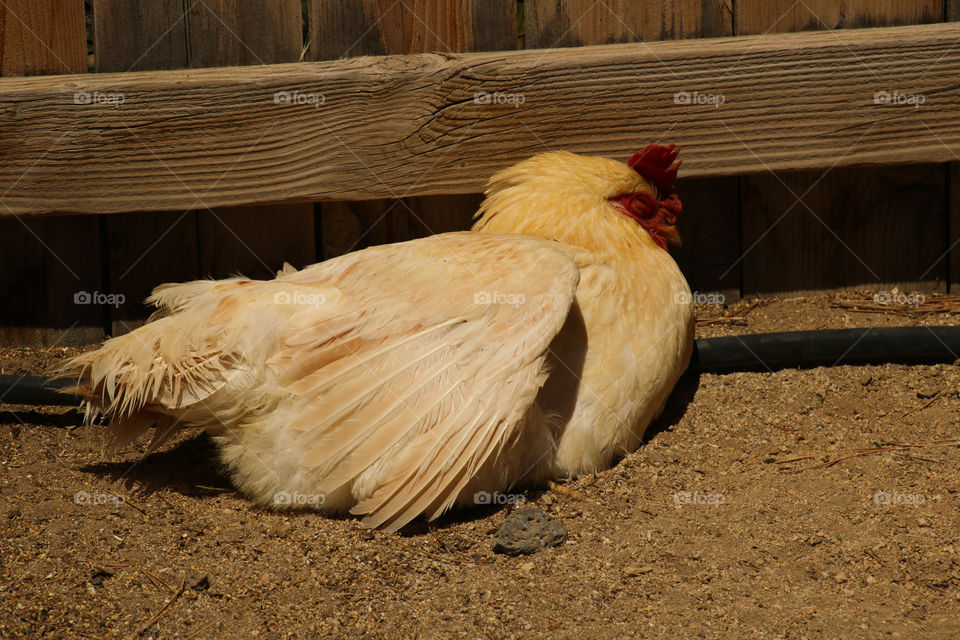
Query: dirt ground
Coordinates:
[729,523]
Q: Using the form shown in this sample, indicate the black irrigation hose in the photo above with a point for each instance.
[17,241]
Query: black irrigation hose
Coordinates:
[827,348]
[755,352]
[35,390]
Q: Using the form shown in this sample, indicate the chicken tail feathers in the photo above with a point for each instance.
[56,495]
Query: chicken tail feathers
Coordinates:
[163,374]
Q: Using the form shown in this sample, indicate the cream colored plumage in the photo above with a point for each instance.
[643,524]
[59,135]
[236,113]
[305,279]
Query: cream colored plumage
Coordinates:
[401,380]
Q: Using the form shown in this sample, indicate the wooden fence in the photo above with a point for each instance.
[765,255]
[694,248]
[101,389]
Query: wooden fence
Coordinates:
[113,182]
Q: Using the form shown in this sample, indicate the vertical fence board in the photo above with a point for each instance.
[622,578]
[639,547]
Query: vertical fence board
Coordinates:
[709,222]
[47,261]
[953,226]
[244,32]
[139,35]
[882,230]
[873,227]
[574,23]
[952,10]
[42,37]
[778,16]
[256,240]
[351,29]
[144,249]
[147,250]
[952,14]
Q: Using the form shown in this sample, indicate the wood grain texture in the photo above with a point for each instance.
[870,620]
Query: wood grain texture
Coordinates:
[42,37]
[244,32]
[46,262]
[773,16]
[252,240]
[378,27]
[159,246]
[953,188]
[144,251]
[342,30]
[575,23]
[709,224]
[844,231]
[176,246]
[877,227]
[952,10]
[49,275]
[255,241]
[139,35]
[792,101]
[953,230]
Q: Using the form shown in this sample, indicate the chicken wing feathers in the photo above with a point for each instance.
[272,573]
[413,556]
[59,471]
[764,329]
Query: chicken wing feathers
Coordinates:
[411,392]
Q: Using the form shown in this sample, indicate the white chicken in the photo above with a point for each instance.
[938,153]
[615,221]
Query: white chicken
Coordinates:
[403,379]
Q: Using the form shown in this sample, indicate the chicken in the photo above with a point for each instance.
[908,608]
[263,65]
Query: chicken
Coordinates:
[404,379]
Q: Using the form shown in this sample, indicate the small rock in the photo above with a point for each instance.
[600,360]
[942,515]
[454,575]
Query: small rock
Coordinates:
[526,566]
[840,577]
[198,581]
[528,531]
[928,392]
[923,522]
[99,576]
[632,572]
[866,379]
[871,580]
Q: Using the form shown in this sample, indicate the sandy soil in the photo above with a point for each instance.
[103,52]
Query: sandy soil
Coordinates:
[729,523]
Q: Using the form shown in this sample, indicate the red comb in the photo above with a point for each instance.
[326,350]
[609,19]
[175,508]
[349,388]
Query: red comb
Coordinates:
[654,164]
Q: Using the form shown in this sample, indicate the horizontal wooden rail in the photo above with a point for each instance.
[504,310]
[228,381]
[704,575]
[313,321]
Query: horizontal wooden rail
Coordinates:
[426,124]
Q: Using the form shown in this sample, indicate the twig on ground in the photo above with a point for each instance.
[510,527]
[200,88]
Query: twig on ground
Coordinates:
[156,617]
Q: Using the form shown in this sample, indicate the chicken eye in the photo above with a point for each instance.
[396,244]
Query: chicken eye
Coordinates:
[642,205]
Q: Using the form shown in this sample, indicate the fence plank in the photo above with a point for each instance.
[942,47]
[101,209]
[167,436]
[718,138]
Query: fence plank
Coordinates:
[370,27]
[340,30]
[778,16]
[42,37]
[575,23]
[793,101]
[46,262]
[876,227]
[160,246]
[253,240]
[243,32]
[953,187]
[139,35]
[175,246]
[953,226]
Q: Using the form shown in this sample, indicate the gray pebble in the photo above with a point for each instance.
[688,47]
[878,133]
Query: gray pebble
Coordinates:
[528,531]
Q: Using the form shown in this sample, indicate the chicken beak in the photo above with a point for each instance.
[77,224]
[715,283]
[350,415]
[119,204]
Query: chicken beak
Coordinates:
[670,234]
